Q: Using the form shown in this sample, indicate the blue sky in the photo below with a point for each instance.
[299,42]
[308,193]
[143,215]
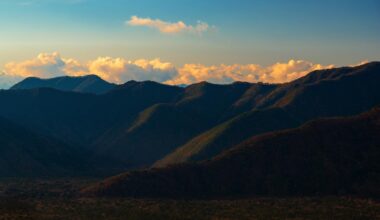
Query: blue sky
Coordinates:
[258,31]
[247,31]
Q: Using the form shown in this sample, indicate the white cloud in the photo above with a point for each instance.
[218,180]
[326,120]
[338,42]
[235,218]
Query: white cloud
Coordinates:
[169,27]
[120,70]
[45,65]
[116,70]
[276,73]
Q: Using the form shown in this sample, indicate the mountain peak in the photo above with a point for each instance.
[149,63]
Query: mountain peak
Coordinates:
[85,84]
[144,85]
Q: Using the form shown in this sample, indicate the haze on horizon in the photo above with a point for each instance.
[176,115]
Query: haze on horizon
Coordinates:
[182,42]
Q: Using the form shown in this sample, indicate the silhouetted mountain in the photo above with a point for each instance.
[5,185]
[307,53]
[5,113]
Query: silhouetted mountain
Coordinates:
[138,123]
[159,129]
[80,119]
[324,93]
[85,84]
[129,101]
[66,116]
[24,153]
[323,157]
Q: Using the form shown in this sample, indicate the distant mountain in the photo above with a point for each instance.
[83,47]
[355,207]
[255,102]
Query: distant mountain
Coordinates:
[338,156]
[324,93]
[182,85]
[84,84]
[24,153]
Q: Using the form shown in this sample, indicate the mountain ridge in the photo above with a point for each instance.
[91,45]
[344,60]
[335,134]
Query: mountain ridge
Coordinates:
[324,93]
[84,84]
[333,156]
[140,124]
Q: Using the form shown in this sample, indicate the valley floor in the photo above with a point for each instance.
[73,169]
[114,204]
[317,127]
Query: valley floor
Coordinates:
[55,199]
[267,208]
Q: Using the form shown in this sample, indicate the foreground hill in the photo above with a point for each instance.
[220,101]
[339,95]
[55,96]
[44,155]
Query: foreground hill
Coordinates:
[85,84]
[324,93]
[322,157]
[24,153]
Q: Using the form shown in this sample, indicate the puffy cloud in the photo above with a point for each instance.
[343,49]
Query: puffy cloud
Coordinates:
[286,72]
[169,27]
[116,70]
[120,70]
[45,65]
[276,73]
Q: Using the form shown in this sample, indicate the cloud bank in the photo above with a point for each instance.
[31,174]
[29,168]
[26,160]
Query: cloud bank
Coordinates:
[120,70]
[276,73]
[116,70]
[168,27]
[45,65]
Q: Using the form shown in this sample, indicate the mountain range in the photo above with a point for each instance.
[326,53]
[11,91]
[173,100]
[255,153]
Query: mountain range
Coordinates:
[116,128]
[84,84]
[323,93]
[338,156]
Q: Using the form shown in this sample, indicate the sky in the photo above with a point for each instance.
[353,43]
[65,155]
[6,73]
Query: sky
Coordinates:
[185,41]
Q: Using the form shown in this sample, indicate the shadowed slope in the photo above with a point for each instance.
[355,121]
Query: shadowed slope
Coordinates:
[323,157]
[24,153]
[159,129]
[83,120]
[49,112]
[324,93]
